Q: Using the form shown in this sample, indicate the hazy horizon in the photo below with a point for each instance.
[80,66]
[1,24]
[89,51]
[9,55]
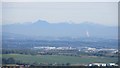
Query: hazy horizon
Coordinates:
[63,22]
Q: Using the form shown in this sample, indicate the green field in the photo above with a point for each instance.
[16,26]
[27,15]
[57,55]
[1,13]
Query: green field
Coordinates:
[58,59]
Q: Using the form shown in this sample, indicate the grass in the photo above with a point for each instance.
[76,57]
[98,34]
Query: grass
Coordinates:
[58,59]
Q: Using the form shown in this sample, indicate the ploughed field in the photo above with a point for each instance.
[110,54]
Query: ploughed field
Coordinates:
[61,59]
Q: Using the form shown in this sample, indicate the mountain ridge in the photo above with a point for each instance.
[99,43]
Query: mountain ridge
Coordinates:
[44,28]
[39,21]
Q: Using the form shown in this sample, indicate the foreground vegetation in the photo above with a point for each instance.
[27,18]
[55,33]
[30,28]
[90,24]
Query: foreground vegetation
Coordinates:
[54,59]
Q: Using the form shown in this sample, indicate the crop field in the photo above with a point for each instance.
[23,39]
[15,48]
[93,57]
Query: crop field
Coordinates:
[58,59]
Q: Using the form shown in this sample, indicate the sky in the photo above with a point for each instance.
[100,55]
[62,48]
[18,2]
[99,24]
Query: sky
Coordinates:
[105,13]
[60,0]
[0,13]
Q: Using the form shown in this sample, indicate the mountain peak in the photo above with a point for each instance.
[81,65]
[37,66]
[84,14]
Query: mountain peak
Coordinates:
[41,22]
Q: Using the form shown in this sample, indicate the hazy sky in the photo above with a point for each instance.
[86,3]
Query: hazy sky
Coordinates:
[102,12]
[60,0]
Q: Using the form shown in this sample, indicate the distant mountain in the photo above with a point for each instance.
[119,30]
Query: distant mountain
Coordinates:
[42,28]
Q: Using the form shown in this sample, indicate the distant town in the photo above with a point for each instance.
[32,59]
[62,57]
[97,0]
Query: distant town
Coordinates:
[73,50]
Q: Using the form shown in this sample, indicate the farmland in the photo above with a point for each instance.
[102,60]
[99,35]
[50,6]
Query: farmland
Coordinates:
[59,59]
